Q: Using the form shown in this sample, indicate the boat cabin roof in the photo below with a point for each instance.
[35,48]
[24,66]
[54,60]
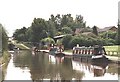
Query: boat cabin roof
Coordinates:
[83,47]
[78,48]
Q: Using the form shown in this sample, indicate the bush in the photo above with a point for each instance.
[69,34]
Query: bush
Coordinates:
[86,40]
[66,40]
[48,40]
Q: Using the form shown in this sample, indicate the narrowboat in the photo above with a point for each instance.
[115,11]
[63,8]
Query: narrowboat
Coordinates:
[95,53]
[56,50]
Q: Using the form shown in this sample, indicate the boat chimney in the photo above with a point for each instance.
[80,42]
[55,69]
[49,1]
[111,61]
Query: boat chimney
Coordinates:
[77,45]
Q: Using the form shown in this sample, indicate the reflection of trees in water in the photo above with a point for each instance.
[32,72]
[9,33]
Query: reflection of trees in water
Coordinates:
[42,69]
[22,59]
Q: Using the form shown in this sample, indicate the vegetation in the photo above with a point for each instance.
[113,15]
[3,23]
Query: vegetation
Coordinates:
[65,24]
[4,56]
[118,33]
[112,48]
[95,30]
[56,25]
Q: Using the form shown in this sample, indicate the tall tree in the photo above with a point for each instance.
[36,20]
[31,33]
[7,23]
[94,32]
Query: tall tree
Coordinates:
[64,20]
[39,29]
[20,34]
[51,29]
[3,38]
[95,30]
[58,22]
[118,33]
[80,21]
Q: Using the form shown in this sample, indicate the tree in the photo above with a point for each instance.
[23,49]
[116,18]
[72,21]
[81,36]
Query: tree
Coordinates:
[118,33]
[58,22]
[67,30]
[51,28]
[20,34]
[66,40]
[64,20]
[95,30]
[38,29]
[78,23]
[3,39]
[48,40]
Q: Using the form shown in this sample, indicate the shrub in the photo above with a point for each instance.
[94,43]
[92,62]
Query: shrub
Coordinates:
[66,40]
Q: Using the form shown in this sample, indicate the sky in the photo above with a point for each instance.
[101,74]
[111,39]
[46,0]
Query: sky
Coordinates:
[14,14]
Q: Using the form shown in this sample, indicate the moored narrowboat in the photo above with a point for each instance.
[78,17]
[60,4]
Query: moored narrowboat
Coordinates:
[56,50]
[95,53]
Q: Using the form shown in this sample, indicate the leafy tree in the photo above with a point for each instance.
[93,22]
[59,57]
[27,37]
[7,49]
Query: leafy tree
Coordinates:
[51,28]
[64,20]
[67,30]
[78,23]
[20,34]
[108,34]
[95,30]
[118,33]
[58,22]
[3,39]
[48,40]
[39,29]
[66,40]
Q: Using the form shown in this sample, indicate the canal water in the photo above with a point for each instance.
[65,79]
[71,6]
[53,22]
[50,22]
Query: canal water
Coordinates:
[27,65]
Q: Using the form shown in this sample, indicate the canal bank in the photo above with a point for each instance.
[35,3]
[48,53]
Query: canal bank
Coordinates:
[4,60]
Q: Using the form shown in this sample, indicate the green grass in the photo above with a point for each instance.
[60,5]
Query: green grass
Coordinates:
[22,46]
[112,48]
[69,50]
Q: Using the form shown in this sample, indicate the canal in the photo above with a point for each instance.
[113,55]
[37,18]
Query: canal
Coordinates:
[26,65]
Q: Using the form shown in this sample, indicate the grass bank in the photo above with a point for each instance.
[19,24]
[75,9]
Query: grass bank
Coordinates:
[22,46]
[113,50]
[4,59]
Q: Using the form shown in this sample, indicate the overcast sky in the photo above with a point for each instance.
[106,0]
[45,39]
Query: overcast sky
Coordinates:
[15,14]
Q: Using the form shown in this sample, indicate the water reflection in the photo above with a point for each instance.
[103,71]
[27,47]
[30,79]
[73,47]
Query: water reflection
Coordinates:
[40,66]
[13,71]
[52,67]
[56,59]
[94,70]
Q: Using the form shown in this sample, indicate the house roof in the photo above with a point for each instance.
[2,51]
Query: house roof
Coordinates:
[106,29]
[61,36]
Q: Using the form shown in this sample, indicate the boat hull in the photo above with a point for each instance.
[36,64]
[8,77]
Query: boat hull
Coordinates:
[59,54]
[93,58]
[100,59]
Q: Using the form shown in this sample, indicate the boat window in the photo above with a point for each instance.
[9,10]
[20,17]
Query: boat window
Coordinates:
[53,49]
[99,51]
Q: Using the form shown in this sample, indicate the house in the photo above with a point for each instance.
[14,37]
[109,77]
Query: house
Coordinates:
[77,31]
[110,28]
[82,30]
